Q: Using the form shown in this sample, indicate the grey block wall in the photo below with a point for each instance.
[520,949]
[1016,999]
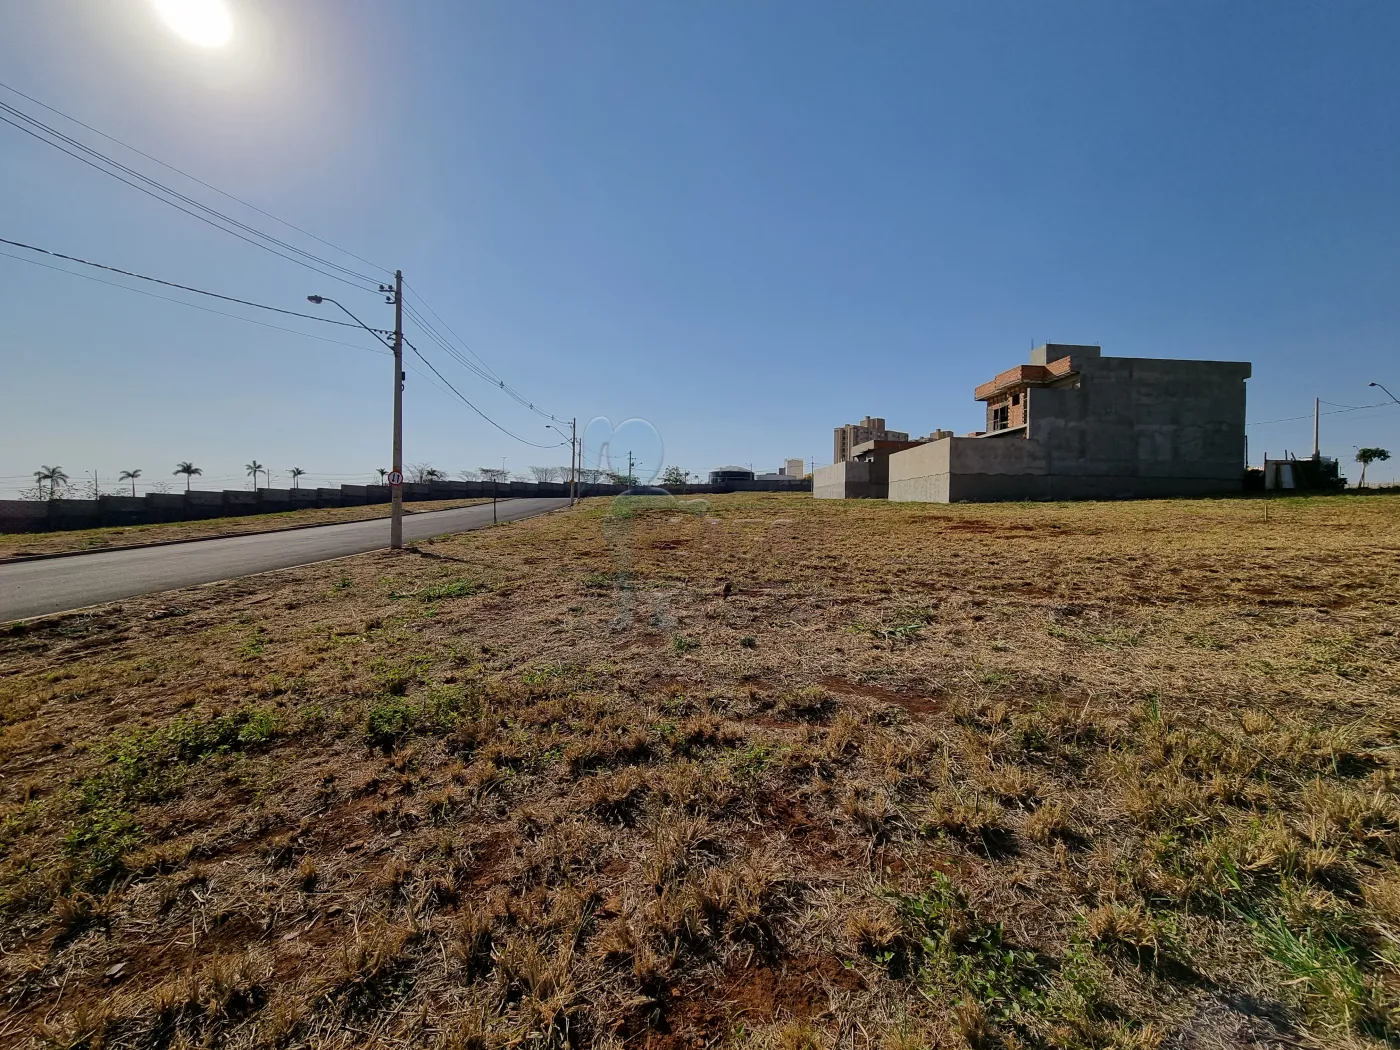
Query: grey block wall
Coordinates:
[1121,428]
[1141,417]
[161,508]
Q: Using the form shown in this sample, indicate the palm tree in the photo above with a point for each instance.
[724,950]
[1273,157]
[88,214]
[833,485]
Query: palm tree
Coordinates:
[296,472]
[382,475]
[189,470]
[252,469]
[131,476]
[1364,456]
[53,475]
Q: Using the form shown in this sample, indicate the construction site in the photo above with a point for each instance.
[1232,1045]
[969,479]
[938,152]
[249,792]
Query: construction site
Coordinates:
[1070,424]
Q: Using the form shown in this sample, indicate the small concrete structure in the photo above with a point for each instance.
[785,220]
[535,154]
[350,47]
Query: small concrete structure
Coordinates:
[853,479]
[866,475]
[1074,424]
[1314,473]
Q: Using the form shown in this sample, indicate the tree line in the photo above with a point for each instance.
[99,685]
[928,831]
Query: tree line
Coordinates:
[423,473]
[54,483]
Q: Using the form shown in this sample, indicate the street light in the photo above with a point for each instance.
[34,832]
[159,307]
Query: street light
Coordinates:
[1387,393]
[571,439]
[376,332]
[395,489]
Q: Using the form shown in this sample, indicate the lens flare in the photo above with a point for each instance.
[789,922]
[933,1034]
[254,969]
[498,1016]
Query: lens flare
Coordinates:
[205,23]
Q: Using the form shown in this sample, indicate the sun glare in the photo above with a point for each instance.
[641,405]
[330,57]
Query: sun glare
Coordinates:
[202,22]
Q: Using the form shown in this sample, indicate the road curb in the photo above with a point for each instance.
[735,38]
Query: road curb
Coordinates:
[204,539]
[6,625]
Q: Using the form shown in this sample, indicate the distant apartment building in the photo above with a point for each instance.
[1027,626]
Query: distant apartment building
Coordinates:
[871,428]
[1072,424]
[790,473]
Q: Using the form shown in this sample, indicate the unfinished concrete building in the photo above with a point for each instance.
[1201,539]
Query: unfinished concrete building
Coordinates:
[1073,424]
[871,428]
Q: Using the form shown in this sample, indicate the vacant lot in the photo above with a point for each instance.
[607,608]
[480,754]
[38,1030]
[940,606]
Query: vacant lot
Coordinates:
[15,545]
[758,771]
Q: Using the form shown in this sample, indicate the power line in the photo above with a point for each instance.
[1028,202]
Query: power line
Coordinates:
[1352,408]
[193,178]
[439,319]
[99,155]
[182,287]
[480,368]
[96,159]
[192,306]
[1340,410]
[451,351]
[194,214]
[483,415]
[483,372]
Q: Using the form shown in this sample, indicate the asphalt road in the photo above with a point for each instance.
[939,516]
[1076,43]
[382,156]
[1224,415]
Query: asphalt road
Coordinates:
[50,585]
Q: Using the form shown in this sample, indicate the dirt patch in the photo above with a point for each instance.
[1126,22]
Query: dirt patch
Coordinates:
[800,989]
[915,704]
[988,527]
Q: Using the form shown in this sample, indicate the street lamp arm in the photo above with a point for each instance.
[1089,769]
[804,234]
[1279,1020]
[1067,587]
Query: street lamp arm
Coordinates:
[1388,393]
[319,299]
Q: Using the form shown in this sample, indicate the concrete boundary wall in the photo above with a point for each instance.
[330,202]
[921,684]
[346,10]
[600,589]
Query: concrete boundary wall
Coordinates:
[852,479]
[159,508]
[977,470]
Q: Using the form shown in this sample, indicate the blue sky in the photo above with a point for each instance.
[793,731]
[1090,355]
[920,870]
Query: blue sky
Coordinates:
[746,222]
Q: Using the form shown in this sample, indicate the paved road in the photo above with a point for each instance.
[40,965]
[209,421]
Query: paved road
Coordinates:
[49,585]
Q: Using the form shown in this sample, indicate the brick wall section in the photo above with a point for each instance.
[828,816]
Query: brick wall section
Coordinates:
[1022,374]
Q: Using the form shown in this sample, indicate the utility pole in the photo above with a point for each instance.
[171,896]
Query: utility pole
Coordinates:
[1317,412]
[393,294]
[396,491]
[572,437]
[631,481]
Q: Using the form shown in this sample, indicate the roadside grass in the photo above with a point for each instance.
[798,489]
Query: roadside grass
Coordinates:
[788,773]
[27,543]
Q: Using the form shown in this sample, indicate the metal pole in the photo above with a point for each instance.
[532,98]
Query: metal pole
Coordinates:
[573,474]
[396,492]
[1317,406]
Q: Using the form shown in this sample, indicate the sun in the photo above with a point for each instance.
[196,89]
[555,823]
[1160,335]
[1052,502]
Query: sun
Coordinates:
[205,23]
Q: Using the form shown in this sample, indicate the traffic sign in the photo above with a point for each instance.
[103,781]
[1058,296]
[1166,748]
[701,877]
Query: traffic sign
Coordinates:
[395,477]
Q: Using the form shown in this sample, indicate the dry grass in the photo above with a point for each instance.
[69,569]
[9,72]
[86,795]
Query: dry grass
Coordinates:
[762,771]
[16,545]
